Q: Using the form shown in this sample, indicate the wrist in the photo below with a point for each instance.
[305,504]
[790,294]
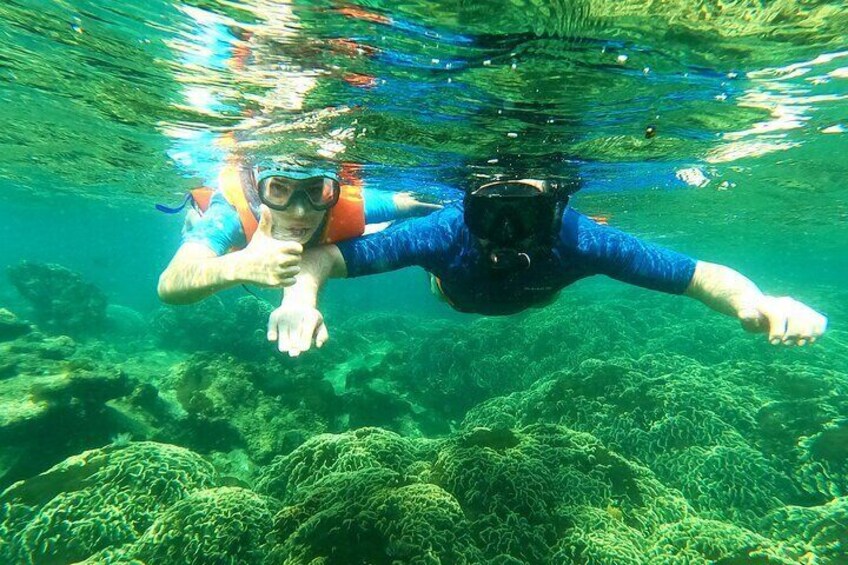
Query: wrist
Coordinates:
[230,269]
[304,292]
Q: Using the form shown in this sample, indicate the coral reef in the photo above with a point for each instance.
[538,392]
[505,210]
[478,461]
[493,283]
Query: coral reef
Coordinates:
[237,328]
[53,403]
[226,410]
[652,442]
[708,430]
[61,300]
[98,499]
[220,525]
[11,327]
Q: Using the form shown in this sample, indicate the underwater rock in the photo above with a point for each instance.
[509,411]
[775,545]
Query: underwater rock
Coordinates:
[26,400]
[125,323]
[61,300]
[52,408]
[97,499]
[11,327]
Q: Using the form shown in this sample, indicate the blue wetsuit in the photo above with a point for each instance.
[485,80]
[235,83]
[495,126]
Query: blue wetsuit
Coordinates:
[443,245]
[220,228]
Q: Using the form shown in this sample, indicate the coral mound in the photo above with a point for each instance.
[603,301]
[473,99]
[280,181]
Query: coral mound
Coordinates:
[100,498]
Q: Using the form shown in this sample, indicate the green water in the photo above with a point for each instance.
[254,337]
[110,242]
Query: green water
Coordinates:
[615,426]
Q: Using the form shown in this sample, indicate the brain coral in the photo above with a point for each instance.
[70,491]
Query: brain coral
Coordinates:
[100,498]
[220,525]
[362,486]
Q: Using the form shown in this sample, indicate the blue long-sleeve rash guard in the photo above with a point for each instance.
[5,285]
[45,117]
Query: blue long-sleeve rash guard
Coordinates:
[442,244]
[220,228]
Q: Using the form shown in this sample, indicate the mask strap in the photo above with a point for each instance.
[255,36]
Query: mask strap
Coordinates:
[175,209]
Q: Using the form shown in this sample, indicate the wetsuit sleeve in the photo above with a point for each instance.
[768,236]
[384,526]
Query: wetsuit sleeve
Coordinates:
[379,206]
[629,259]
[421,241]
[219,228]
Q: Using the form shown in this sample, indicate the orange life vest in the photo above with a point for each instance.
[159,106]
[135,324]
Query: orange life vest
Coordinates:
[345,220]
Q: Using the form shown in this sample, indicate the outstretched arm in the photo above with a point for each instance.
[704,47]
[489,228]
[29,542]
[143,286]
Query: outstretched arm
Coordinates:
[421,241]
[786,320]
[632,260]
[298,322]
[384,206]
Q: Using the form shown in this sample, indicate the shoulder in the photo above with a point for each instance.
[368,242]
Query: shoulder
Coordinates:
[577,228]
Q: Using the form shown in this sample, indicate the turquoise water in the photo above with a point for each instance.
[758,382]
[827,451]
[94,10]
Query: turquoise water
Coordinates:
[615,426]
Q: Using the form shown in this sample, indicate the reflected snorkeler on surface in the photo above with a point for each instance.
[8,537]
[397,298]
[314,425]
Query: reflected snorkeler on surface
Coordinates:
[513,245]
[252,229]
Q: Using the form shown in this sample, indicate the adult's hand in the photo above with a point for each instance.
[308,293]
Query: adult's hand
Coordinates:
[267,261]
[786,320]
[296,327]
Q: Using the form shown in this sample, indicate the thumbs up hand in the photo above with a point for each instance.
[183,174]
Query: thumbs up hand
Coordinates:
[267,261]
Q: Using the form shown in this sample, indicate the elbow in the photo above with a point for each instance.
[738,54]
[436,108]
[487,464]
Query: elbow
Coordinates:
[163,289]
[167,291]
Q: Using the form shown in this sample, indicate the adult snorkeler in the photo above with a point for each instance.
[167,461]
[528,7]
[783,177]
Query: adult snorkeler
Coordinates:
[512,245]
[252,229]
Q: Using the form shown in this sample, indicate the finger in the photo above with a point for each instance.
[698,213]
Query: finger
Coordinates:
[288,272]
[288,260]
[265,221]
[804,324]
[753,321]
[306,331]
[322,335]
[272,328]
[774,311]
[820,326]
[287,247]
[798,324]
[285,343]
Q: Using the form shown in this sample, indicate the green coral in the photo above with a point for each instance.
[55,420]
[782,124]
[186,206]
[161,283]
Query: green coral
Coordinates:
[822,531]
[53,403]
[738,438]
[228,409]
[527,489]
[697,541]
[391,517]
[221,525]
[215,325]
[326,454]
[100,498]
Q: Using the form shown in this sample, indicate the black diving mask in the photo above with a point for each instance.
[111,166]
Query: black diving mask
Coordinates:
[516,219]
